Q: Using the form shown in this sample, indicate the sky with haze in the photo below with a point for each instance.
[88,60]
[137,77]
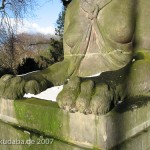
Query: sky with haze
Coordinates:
[43,19]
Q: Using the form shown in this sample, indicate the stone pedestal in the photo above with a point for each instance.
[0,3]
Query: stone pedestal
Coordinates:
[119,129]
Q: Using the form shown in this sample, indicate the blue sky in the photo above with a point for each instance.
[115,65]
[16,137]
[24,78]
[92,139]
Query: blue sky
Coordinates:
[48,11]
[44,19]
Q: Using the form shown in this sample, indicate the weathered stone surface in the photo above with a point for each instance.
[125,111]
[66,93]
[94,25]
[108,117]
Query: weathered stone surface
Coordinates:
[88,131]
[107,59]
[17,138]
[96,45]
[107,43]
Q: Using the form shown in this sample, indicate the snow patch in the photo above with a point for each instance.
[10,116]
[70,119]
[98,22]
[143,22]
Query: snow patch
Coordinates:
[94,75]
[27,73]
[49,94]
[133,60]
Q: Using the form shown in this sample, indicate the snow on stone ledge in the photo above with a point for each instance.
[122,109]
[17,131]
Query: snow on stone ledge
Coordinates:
[49,94]
[94,75]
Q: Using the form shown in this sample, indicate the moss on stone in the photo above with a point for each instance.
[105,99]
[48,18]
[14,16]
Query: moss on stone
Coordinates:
[43,116]
[142,54]
[57,74]
[12,87]
[138,78]
[39,141]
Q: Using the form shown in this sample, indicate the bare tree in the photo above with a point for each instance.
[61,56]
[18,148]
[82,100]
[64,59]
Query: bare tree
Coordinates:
[17,8]
[11,13]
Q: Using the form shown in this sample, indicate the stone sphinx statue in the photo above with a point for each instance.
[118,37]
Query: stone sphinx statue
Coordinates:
[106,57]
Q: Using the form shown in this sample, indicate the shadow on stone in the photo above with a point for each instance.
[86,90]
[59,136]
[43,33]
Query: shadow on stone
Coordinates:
[132,103]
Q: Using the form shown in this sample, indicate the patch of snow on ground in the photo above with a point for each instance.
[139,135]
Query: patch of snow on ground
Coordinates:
[49,94]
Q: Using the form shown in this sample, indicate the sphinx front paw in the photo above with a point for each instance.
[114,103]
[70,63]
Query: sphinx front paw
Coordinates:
[86,97]
[14,87]
[11,87]
[102,99]
[67,97]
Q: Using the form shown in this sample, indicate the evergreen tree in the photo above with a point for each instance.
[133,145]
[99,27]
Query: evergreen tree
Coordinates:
[60,24]
[56,48]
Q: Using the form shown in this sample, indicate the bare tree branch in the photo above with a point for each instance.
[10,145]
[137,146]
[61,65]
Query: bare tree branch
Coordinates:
[16,9]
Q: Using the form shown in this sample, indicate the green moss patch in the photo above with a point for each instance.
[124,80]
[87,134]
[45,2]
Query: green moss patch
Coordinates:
[40,115]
